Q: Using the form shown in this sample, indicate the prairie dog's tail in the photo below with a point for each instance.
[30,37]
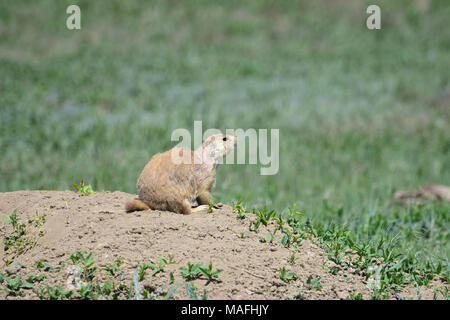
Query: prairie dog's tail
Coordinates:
[136,205]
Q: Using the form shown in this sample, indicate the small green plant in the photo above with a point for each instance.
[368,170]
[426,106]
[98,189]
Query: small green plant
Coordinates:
[31,277]
[14,221]
[292,259]
[86,261]
[254,226]
[287,276]
[39,220]
[314,283]
[264,216]
[115,290]
[334,270]
[17,240]
[187,226]
[142,268]
[92,291]
[240,210]
[119,261]
[287,238]
[83,189]
[113,269]
[108,289]
[281,222]
[53,293]
[155,268]
[293,212]
[443,291]
[270,236]
[211,206]
[208,272]
[14,286]
[158,268]
[378,294]
[299,296]
[171,259]
[353,296]
[44,266]
[192,271]
[84,264]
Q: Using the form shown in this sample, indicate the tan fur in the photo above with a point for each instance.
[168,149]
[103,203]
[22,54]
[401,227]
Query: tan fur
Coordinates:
[166,185]
[427,192]
[136,205]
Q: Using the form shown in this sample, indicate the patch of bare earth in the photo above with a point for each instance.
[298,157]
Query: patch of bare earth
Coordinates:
[99,224]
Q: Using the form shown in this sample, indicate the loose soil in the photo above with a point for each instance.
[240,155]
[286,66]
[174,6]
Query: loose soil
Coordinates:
[98,224]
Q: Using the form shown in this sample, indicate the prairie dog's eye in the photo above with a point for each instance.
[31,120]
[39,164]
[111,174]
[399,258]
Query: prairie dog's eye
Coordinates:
[225,139]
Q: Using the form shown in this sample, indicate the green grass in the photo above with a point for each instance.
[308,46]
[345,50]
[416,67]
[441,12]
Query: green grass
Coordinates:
[361,113]
[386,265]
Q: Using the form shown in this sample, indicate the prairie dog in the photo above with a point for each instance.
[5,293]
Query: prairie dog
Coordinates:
[165,184]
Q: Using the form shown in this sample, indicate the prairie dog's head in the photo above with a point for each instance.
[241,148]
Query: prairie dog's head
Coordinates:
[217,146]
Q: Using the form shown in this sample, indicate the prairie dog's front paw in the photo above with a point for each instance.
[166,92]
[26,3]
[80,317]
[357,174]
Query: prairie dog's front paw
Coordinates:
[201,209]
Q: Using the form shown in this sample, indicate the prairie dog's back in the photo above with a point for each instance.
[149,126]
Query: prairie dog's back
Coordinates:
[163,183]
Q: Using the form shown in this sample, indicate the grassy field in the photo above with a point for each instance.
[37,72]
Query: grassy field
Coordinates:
[361,113]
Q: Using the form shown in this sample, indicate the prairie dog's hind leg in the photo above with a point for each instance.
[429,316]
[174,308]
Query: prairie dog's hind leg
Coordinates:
[186,207]
[204,197]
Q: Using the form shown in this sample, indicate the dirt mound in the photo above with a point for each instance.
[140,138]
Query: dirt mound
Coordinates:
[57,224]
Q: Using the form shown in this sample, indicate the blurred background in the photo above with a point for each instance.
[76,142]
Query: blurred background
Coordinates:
[362,113]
